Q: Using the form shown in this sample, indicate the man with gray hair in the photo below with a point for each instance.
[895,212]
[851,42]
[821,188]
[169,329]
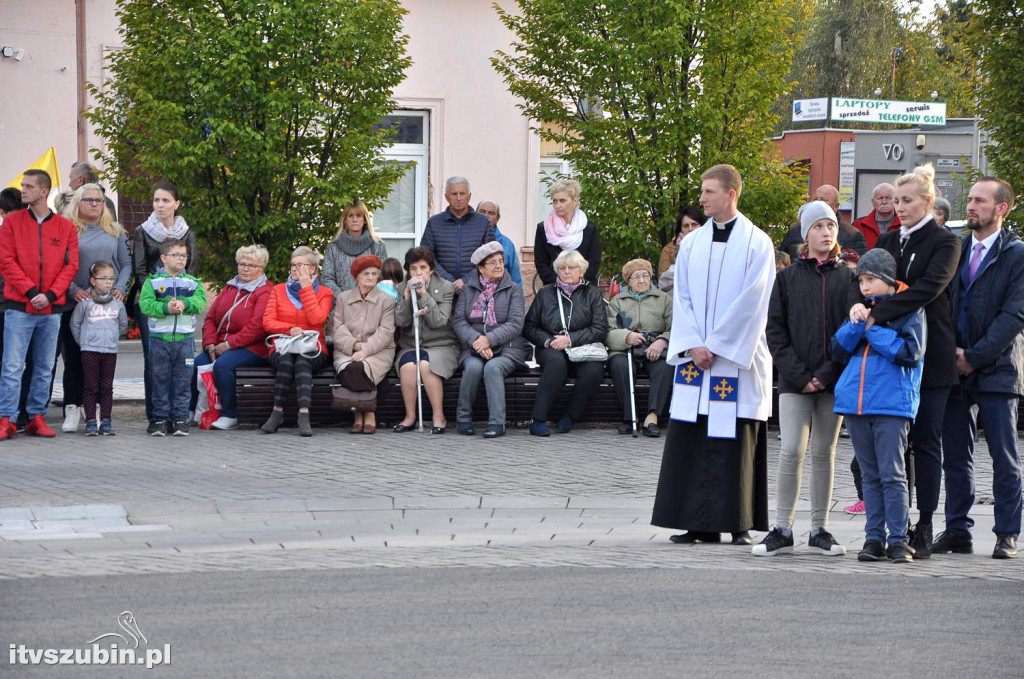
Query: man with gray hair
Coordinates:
[490,209]
[882,218]
[82,173]
[453,235]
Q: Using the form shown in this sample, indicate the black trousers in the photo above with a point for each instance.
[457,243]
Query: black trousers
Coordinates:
[555,368]
[660,373]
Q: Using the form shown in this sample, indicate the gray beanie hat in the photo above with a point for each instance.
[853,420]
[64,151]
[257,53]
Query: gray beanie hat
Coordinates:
[878,263]
[489,248]
[810,213]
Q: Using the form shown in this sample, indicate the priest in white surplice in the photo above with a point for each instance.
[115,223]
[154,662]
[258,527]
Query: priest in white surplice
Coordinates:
[714,469]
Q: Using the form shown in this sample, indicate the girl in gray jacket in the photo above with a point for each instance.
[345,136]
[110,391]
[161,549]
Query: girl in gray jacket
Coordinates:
[97,324]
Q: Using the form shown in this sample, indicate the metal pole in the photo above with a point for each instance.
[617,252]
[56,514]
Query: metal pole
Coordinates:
[413,294]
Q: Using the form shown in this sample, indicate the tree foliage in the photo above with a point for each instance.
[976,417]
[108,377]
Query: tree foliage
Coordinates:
[997,33]
[262,111]
[644,95]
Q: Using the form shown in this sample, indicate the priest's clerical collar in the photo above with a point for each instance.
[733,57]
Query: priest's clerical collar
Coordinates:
[722,231]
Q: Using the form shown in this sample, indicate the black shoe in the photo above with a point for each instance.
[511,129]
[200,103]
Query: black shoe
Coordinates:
[825,543]
[626,428]
[402,428]
[872,551]
[180,428]
[742,538]
[652,431]
[1006,547]
[437,430]
[921,541]
[465,428]
[565,425]
[951,542]
[899,552]
[696,537]
[157,428]
[776,542]
[494,431]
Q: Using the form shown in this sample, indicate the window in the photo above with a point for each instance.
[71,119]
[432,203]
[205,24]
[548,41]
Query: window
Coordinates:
[400,222]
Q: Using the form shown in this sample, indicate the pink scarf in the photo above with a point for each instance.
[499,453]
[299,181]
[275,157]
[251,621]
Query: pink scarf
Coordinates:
[483,307]
[566,236]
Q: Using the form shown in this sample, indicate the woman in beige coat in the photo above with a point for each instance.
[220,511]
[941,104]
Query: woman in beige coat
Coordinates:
[439,346]
[364,335]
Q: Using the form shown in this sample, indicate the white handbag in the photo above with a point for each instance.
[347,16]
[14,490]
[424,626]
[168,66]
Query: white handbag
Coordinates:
[306,343]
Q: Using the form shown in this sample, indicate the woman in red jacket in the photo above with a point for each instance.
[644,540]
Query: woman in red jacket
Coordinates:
[299,304]
[233,334]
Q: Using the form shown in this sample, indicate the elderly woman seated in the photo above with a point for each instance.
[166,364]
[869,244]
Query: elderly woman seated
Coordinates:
[298,305]
[640,317]
[569,313]
[233,334]
[489,321]
[364,336]
[438,345]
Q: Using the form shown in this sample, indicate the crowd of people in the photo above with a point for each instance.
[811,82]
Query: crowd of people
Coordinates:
[893,324]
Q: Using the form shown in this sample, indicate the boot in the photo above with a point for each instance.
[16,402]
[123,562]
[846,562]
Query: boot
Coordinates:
[273,422]
[304,428]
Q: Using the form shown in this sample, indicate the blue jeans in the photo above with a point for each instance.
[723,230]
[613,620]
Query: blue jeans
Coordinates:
[998,414]
[24,333]
[171,368]
[224,376]
[493,373]
[879,442]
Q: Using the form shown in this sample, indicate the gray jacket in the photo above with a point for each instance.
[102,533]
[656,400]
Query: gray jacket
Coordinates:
[509,311]
[98,327]
[338,258]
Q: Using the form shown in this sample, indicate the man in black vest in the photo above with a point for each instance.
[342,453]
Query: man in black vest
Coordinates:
[988,314]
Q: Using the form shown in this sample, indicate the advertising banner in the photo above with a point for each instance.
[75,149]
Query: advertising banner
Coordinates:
[895,112]
[810,109]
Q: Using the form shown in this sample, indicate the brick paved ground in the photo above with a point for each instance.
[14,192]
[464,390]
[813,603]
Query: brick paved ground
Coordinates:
[243,500]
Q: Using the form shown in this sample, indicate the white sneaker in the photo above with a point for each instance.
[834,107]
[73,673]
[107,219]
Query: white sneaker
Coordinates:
[72,416]
[225,423]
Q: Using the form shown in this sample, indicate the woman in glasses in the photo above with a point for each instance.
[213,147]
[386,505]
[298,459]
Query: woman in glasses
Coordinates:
[100,238]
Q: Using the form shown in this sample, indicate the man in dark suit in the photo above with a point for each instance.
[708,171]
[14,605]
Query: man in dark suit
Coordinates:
[988,314]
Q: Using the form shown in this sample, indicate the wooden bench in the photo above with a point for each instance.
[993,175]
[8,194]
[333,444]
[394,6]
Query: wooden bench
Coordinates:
[255,388]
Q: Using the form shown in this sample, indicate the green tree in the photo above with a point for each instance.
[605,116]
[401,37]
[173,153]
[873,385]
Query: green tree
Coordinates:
[644,95]
[262,111]
[997,32]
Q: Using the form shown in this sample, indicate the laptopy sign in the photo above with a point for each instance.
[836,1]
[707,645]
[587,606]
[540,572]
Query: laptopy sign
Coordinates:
[894,112]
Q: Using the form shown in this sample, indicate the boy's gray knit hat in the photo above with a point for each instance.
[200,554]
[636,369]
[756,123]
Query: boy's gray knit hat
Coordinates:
[878,263]
[810,213]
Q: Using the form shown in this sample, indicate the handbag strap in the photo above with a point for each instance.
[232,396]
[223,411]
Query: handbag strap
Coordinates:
[561,311]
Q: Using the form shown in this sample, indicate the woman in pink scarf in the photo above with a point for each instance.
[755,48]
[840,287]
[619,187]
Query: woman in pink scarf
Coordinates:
[566,228]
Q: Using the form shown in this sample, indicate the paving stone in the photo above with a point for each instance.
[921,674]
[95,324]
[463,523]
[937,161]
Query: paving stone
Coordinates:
[79,512]
[429,502]
[15,514]
[349,504]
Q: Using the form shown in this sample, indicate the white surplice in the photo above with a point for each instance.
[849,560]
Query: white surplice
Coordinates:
[720,301]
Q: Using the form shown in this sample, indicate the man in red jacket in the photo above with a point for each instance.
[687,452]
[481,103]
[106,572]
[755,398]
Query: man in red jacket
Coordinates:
[38,260]
[882,218]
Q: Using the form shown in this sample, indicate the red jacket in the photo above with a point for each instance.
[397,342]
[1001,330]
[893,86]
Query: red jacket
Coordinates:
[37,258]
[239,324]
[869,227]
[281,315]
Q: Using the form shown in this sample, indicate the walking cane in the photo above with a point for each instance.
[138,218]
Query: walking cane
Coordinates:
[624,322]
[413,294]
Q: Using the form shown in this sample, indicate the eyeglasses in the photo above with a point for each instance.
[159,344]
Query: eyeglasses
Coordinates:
[299,265]
[496,263]
[91,201]
[105,279]
[570,267]
[177,255]
[249,265]
[640,276]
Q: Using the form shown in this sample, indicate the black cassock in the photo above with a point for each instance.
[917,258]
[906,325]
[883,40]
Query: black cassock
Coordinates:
[713,485]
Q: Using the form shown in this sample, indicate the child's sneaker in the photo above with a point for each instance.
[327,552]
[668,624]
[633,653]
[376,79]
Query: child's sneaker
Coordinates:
[181,428]
[157,428]
[776,542]
[106,428]
[856,508]
[872,551]
[826,544]
[91,429]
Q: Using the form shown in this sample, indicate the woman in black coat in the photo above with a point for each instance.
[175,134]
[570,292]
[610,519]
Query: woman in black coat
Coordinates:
[553,328]
[926,260]
[566,228]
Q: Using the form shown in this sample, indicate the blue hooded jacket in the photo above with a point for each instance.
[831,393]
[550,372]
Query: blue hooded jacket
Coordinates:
[884,366]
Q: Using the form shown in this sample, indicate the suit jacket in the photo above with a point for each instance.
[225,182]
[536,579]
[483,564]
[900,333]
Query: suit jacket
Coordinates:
[927,265]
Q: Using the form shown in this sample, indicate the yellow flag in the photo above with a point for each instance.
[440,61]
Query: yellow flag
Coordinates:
[48,162]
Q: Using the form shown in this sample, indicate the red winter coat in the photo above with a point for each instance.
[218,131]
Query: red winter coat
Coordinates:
[869,227]
[239,324]
[37,258]
[281,315]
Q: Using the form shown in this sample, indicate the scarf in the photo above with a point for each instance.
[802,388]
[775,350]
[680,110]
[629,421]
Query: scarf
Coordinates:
[353,246]
[101,299]
[293,287]
[638,296]
[566,288]
[158,232]
[483,307]
[252,285]
[566,236]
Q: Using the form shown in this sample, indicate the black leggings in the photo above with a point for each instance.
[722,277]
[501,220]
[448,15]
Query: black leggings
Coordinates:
[555,367]
[298,370]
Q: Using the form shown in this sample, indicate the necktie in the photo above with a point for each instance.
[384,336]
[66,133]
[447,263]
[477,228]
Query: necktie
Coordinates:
[975,261]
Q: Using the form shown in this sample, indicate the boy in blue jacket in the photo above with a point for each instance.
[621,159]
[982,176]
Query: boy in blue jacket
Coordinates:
[879,392]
